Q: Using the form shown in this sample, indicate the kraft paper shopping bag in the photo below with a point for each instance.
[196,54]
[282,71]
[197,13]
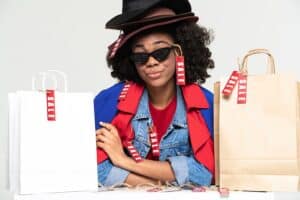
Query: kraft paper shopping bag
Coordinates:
[257,130]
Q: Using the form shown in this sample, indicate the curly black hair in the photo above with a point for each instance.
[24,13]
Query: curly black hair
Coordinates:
[193,40]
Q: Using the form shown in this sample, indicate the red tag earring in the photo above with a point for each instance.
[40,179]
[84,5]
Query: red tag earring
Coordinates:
[112,49]
[180,68]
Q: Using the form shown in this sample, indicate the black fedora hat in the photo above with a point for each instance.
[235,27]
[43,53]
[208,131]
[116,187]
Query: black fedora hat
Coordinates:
[141,15]
[134,10]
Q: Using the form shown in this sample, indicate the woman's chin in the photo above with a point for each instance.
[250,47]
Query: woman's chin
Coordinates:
[157,83]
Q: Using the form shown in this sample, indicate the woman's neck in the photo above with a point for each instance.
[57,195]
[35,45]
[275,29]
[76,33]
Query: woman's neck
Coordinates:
[162,96]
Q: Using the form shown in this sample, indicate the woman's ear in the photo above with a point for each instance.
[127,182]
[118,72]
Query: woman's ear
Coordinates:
[178,50]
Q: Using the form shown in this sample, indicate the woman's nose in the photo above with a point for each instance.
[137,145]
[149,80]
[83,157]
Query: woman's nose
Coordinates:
[151,62]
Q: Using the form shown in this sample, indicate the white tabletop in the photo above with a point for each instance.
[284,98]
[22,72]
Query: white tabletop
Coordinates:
[144,195]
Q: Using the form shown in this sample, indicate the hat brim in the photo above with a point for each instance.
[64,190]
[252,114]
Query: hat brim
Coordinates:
[152,20]
[158,23]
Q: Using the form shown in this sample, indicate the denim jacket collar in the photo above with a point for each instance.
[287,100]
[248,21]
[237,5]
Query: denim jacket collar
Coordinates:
[179,119]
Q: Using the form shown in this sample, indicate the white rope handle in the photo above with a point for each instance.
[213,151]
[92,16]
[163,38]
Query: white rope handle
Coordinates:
[64,77]
[46,75]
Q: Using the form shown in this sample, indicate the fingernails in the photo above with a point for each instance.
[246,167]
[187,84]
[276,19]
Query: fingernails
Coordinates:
[101,123]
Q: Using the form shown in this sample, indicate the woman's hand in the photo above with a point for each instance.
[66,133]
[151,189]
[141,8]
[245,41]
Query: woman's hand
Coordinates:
[109,140]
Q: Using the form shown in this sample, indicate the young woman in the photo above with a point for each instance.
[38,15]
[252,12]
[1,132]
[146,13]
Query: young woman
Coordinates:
[156,124]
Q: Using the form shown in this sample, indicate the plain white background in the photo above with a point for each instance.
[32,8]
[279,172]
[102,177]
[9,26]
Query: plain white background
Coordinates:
[37,35]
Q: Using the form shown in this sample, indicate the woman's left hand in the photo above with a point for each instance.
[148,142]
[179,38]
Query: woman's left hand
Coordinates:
[109,140]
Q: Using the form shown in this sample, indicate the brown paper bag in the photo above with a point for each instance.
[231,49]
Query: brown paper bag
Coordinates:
[257,143]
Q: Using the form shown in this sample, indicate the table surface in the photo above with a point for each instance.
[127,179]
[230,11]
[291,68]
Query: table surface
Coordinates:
[144,195]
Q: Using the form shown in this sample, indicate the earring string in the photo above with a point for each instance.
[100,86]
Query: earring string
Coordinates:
[180,50]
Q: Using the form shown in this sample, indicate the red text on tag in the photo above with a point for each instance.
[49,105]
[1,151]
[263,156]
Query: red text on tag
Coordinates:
[232,81]
[242,89]
[50,97]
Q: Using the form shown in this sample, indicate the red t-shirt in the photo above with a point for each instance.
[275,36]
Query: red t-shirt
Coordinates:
[161,119]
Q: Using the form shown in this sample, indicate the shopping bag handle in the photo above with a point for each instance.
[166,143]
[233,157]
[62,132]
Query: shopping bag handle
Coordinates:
[63,76]
[271,64]
[48,74]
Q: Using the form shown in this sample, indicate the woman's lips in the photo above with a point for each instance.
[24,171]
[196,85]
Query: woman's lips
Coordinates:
[154,75]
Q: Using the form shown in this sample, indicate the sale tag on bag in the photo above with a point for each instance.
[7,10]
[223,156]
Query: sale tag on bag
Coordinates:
[239,79]
[50,95]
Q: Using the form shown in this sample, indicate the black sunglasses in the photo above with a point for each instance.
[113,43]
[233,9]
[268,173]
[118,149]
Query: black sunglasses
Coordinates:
[159,55]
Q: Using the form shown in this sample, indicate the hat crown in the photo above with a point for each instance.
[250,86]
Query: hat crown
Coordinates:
[135,10]
[134,5]
[131,5]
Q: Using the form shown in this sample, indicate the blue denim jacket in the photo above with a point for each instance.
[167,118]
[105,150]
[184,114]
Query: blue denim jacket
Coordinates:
[174,147]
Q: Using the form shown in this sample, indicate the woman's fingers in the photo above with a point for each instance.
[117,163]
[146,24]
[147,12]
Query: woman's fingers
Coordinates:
[102,141]
[103,135]
[108,139]
[111,128]
[101,138]
[101,145]
[104,132]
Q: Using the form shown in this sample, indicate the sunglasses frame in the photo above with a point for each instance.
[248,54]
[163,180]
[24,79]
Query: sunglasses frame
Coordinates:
[172,46]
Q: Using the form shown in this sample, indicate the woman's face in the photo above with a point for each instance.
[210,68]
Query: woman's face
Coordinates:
[155,73]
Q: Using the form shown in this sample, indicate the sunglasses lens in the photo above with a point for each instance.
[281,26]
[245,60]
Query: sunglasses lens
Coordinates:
[139,58]
[161,54]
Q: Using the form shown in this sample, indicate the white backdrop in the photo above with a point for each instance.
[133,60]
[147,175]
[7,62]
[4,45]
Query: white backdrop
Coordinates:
[36,35]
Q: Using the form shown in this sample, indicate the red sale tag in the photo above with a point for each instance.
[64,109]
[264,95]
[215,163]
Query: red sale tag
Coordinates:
[240,79]
[232,81]
[124,91]
[224,192]
[180,70]
[242,89]
[199,189]
[50,98]
[154,140]
[133,152]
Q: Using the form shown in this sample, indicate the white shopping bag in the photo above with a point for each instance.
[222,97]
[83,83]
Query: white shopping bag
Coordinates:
[51,142]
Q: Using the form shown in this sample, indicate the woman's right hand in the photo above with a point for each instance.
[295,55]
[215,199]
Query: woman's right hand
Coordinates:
[109,140]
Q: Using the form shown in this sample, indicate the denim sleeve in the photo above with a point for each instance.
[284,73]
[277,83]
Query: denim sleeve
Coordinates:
[187,169]
[109,175]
